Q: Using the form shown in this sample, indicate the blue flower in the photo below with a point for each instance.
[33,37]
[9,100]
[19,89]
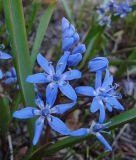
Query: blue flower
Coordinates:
[106,10]
[70,42]
[10,76]
[57,80]
[105,95]
[95,129]
[123,9]
[112,6]
[105,21]
[3,56]
[45,113]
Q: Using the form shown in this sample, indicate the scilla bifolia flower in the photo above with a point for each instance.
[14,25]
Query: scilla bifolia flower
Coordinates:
[104,93]
[57,79]
[70,42]
[45,113]
[95,129]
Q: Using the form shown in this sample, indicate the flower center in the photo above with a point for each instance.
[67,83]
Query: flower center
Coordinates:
[56,77]
[45,112]
[97,127]
[100,91]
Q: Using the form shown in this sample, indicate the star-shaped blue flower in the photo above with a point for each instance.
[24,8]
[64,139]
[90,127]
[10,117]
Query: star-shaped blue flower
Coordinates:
[105,95]
[57,80]
[95,129]
[45,113]
[70,42]
[4,56]
[123,9]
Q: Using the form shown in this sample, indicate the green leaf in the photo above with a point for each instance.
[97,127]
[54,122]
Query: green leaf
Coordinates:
[16,30]
[45,19]
[34,8]
[51,149]
[5,115]
[123,62]
[17,33]
[67,10]
[16,102]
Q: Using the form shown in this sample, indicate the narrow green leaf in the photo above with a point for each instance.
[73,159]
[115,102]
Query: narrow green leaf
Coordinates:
[45,19]
[5,115]
[16,102]
[67,10]
[123,62]
[34,8]
[15,24]
[51,149]
[17,33]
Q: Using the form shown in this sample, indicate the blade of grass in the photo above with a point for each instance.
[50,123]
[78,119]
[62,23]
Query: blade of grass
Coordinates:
[45,19]
[5,115]
[67,10]
[16,102]
[34,8]
[51,149]
[15,24]
[123,62]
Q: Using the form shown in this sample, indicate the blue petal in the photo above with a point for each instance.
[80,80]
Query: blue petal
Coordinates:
[80,132]
[95,106]
[62,63]
[8,74]
[1,75]
[108,80]
[68,91]
[37,78]
[28,112]
[39,124]
[39,102]
[57,125]
[85,90]
[9,81]
[72,74]
[4,55]
[51,93]
[98,79]
[74,59]
[98,63]
[109,107]
[80,48]
[62,108]
[102,113]
[114,103]
[65,24]
[76,37]
[67,43]
[68,32]
[103,141]
[43,62]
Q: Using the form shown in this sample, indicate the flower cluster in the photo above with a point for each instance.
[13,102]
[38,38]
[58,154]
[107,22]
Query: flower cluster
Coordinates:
[4,56]
[57,82]
[110,8]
